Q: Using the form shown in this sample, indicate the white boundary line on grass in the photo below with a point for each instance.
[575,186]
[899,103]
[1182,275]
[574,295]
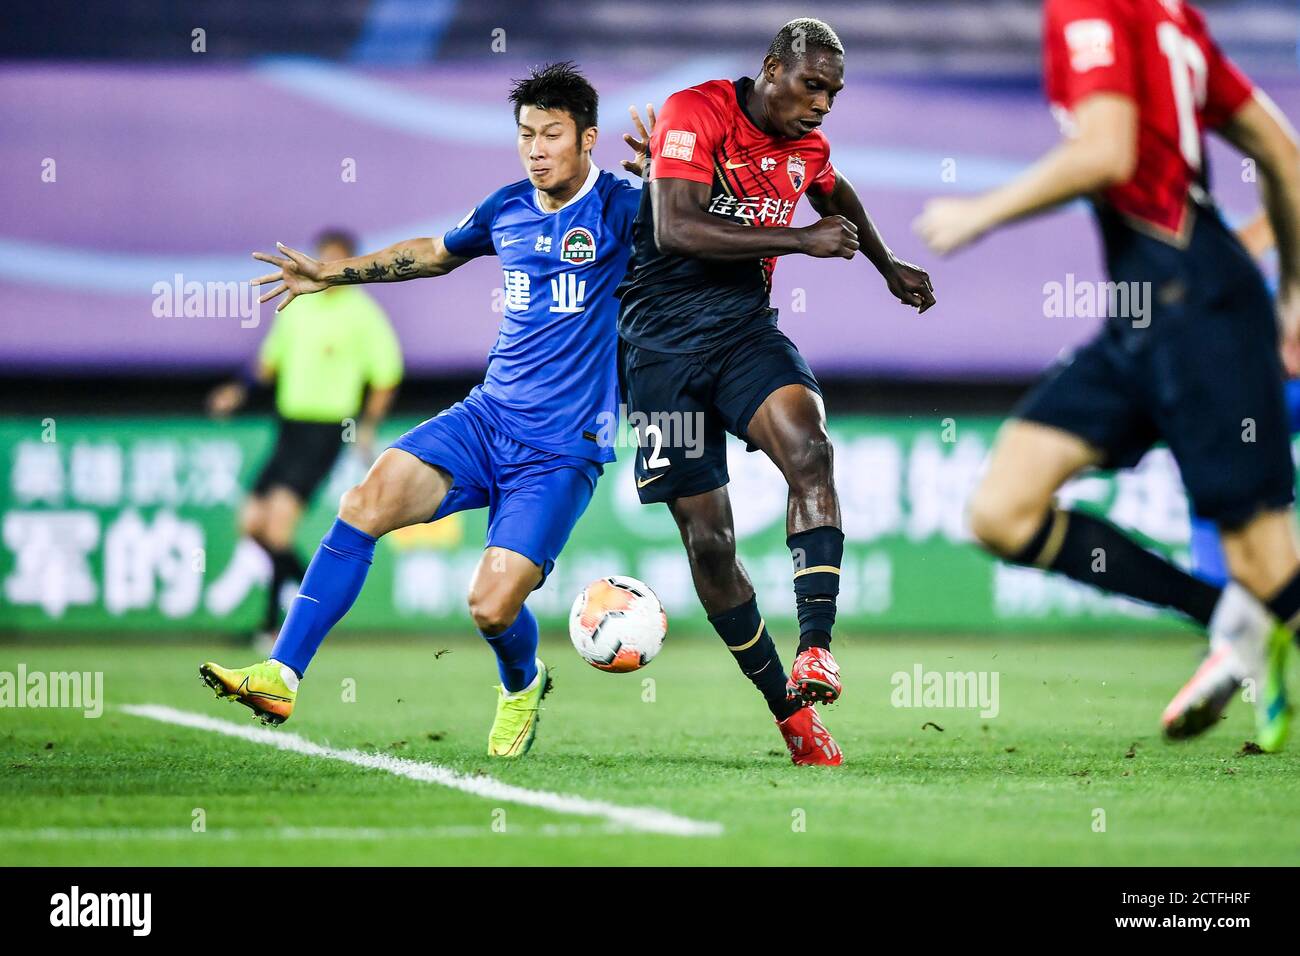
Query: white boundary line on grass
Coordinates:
[645,819]
[350,834]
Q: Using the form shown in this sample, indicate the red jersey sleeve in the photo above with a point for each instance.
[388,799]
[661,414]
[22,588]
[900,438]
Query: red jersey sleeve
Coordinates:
[1088,49]
[823,183]
[686,136]
[1226,88]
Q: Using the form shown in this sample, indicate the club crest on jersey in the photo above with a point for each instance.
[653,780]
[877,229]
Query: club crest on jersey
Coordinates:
[578,246]
[1091,43]
[794,166]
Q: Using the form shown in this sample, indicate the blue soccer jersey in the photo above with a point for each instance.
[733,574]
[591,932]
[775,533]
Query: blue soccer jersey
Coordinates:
[552,379]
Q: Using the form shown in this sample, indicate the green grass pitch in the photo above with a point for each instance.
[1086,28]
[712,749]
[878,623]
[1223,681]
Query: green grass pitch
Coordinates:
[1072,769]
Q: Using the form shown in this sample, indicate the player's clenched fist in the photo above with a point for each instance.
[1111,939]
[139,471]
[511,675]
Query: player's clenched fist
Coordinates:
[830,237]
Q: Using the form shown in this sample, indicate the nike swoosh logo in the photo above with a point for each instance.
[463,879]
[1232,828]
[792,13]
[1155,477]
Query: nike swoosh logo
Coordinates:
[730,165]
[244,689]
[510,242]
[642,482]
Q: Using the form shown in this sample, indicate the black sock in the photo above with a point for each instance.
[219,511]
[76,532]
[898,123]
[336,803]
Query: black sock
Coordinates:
[286,566]
[1095,552]
[1285,604]
[818,554]
[745,635]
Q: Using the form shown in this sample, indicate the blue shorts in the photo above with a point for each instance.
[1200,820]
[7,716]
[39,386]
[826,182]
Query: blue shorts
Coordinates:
[533,497]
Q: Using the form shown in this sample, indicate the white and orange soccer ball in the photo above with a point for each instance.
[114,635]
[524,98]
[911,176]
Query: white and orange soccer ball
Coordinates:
[617,624]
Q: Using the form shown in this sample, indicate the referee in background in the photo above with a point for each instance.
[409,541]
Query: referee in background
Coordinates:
[322,354]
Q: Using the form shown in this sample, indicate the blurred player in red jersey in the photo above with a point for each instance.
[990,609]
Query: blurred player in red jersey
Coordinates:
[699,341]
[1135,83]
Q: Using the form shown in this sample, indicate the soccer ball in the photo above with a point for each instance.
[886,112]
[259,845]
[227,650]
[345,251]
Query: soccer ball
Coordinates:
[617,624]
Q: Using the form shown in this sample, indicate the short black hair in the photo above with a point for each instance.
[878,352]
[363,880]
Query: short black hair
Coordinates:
[336,236]
[800,37]
[558,86]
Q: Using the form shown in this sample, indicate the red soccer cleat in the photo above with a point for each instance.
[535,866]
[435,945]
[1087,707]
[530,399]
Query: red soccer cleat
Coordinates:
[815,677]
[810,743]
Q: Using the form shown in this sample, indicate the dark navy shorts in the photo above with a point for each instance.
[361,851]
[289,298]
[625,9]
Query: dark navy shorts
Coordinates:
[681,405]
[533,497]
[303,456]
[1200,372]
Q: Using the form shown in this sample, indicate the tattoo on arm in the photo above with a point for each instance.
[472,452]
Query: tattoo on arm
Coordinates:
[385,266]
[404,264]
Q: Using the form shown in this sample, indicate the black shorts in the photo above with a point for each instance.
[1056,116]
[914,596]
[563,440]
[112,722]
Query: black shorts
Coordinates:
[681,405]
[1200,372]
[303,455]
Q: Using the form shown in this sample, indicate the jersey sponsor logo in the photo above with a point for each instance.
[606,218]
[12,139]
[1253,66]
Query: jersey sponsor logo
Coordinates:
[569,293]
[516,290]
[543,244]
[679,144]
[767,164]
[761,210]
[510,242]
[578,246]
[730,165]
[795,167]
[1091,43]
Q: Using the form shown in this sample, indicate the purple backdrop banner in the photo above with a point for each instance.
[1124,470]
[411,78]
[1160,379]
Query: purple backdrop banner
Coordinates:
[124,187]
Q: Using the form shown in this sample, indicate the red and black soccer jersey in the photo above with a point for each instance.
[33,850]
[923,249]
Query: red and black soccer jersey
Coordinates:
[684,304]
[1160,54]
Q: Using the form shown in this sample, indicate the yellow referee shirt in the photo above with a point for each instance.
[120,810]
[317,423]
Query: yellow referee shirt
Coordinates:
[325,348]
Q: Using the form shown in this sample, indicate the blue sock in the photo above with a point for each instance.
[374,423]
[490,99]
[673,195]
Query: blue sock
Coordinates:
[516,650]
[330,586]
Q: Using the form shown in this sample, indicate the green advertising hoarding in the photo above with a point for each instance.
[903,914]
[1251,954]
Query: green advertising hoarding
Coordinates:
[125,524]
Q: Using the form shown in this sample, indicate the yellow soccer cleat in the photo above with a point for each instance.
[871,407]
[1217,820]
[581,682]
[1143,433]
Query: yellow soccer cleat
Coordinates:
[1272,709]
[267,689]
[517,715]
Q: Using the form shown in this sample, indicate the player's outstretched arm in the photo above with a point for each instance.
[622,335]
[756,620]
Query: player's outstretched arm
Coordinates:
[299,274]
[910,284]
[684,227]
[1102,154]
[1261,131]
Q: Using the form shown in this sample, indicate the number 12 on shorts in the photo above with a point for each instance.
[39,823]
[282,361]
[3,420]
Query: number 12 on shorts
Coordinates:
[653,435]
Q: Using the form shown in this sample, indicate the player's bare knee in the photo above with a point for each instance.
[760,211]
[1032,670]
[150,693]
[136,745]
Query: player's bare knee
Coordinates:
[252,518]
[363,508]
[277,536]
[259,531]
[811,467]
[712,554]
[707,545]
[1263,575]
[492,614]
[254,528]
[1001,524]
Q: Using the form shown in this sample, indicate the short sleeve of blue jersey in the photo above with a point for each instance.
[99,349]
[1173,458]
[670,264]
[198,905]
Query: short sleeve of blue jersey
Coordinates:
[472,236]
[620,201]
